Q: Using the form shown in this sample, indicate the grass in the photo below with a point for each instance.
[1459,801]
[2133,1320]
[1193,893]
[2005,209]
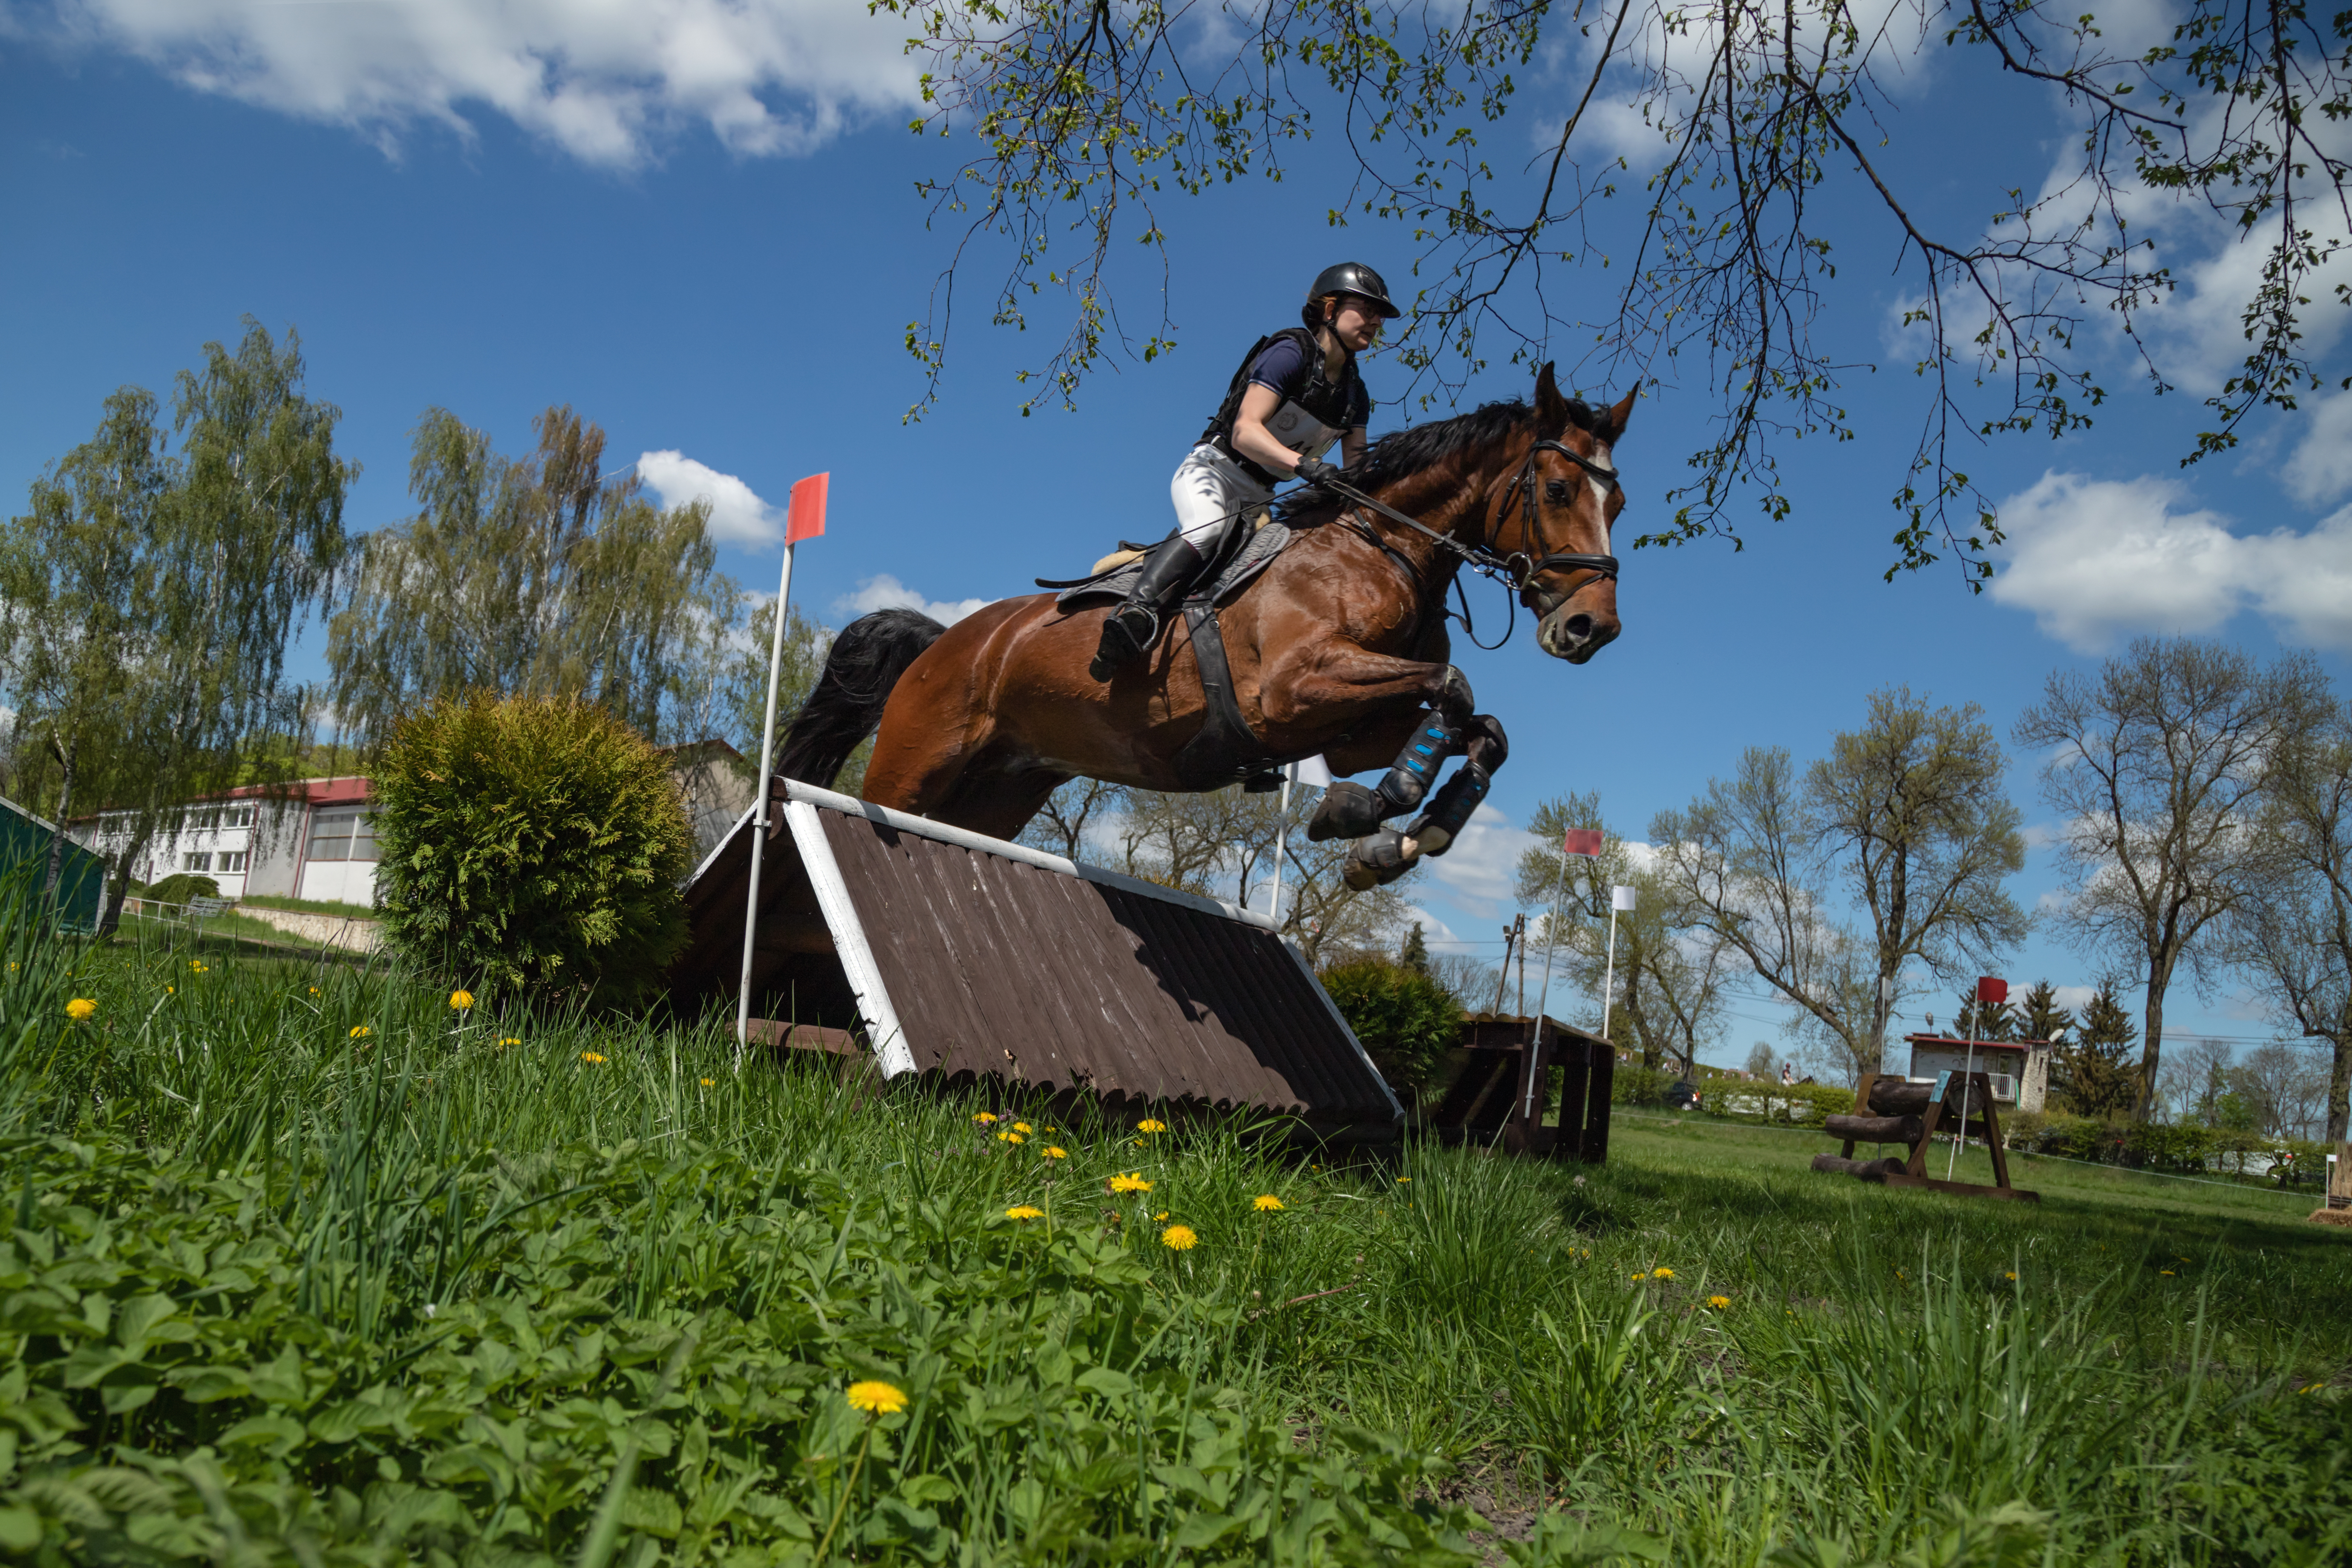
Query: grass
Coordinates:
[306,1264]
[309,906]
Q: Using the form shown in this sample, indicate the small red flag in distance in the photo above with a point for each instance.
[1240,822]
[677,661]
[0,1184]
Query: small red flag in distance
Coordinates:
[1581,841]
[1991,991]
[805,517]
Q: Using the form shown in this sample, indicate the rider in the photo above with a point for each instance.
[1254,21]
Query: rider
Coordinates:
[1294,394]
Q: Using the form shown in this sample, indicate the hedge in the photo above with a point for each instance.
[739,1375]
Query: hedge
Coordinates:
[2180,1146]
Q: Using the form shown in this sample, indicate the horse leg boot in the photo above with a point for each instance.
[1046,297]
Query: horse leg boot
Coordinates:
[1350,811]
[1132,629]
[1385,855]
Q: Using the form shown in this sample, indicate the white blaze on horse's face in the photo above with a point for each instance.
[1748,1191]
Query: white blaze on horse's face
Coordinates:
[1584,622]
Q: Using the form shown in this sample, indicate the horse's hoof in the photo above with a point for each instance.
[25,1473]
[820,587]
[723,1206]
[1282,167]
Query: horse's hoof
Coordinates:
[1454,700]
[1379,859]
[1349,811]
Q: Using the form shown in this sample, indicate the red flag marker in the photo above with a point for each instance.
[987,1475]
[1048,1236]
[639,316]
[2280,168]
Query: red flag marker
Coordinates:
[1991,991]
[805,517]
[1581,841]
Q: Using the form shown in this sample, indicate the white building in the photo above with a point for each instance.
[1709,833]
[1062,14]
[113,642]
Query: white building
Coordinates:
[2020,1069]
[316,839]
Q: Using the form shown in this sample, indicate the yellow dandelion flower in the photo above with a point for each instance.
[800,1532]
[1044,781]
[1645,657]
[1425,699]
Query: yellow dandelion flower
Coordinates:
[171,991]
[1661,1273]
[1179,1238]
[985,1117]
[361,1031]
[1265,1203]
[1161,1217]
[1718,1302]
[2163,1271]
[1132,1182]
[1639,1277]
[314,990]
[1021,1126]
[1052,1152]
[80,1008]
[1025,1211]
[510,1040]
[1150,1124]
[2011,1275]
[877,1398]
[1404,1181]
[710,1083]
[1012,1138]
[461,1000]
[590,1057]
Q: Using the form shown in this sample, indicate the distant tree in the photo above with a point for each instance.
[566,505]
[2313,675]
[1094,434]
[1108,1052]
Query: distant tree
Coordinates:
[1984,1020]
[1762,1060]
[152,600]
[2042,1018]
[2091,1074]
[1405,1019]
[1906,816]
[538,576]
[2286,1083]
[1060,826]
[2194,1078]
[2292,933]
[2158,769]
[1669,977]
[1415,955]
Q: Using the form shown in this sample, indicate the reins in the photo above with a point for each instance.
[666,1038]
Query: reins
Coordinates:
[1485,559]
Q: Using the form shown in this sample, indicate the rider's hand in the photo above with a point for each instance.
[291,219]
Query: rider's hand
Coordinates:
[1316,472]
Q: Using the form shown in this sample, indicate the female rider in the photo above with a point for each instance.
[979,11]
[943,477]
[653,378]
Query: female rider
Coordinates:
[1294,394]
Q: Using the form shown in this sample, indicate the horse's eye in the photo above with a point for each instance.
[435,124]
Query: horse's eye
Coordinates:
[1556,489]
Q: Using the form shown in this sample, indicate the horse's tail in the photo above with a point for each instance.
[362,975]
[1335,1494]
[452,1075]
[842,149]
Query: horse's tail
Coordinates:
[845,705]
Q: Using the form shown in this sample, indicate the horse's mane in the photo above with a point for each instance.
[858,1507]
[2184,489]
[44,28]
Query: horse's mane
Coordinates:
[1400,454]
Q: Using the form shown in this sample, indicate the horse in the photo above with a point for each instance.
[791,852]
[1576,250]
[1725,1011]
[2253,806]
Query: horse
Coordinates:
[1339,648]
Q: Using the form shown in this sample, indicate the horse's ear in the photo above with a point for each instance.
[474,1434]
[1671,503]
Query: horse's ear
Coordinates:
[1612,423]
[1551,408]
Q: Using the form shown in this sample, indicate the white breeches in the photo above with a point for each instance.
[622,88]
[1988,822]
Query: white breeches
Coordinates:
[1209,488]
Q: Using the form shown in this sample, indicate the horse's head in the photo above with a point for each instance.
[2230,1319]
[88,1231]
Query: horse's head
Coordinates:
[1559,506]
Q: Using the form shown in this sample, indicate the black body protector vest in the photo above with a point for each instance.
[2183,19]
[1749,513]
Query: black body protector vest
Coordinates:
[1307,424]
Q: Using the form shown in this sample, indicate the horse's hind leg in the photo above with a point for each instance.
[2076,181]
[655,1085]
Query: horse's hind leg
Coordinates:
[1388,854]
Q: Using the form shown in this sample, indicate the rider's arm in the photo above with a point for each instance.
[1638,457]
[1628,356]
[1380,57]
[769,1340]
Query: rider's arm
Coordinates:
[1252,439]
[1351,448]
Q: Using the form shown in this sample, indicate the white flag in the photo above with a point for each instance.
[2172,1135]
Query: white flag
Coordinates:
[1313,771]
[1620,899]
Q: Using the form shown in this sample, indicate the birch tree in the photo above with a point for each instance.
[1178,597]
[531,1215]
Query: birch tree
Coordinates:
[2157,767]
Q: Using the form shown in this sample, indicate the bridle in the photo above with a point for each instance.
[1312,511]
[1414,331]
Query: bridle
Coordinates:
[1517,569]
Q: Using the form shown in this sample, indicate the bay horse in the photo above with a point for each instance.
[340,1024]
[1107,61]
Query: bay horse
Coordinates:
[1339,647]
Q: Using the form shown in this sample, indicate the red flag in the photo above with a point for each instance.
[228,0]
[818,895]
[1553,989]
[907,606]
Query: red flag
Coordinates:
[805,518]
[1991,991]
[1581,841]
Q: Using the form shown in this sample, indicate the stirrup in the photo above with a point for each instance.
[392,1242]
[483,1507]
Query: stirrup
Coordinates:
[1121,644]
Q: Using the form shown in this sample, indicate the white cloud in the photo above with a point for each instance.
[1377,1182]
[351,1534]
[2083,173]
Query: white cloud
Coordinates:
[737,514]
[604,80]
[886,592]
[2098,560]
[2321,469]
[2073,998]
[1481,868]
[1435,932]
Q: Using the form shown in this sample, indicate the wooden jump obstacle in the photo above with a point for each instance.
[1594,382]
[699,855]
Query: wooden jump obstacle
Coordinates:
[1958,1103]
[1494,1101]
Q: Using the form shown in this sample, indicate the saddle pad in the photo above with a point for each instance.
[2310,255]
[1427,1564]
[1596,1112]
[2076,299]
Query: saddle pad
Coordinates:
[1255,555]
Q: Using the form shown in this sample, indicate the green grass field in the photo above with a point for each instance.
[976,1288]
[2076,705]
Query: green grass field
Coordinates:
[306,1265]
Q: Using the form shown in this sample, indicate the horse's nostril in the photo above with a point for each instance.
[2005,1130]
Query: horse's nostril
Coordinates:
[1577,628]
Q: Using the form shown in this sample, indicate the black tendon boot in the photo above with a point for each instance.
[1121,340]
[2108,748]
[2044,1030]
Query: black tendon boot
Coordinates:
[1133,629]
[1350,811]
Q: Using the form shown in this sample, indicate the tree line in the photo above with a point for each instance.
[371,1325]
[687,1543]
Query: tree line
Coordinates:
[2202,829]
[165,568]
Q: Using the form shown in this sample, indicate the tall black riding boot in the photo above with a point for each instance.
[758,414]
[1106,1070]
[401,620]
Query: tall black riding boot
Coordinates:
[1133,628]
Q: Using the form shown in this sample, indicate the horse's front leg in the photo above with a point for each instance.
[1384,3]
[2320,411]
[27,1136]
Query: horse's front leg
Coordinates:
[1373,692]
[1388,854]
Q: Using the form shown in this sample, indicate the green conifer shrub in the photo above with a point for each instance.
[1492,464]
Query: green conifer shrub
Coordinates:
[532,845]
[1407,1020]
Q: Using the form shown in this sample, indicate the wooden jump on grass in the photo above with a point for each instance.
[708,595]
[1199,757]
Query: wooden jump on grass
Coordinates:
[1898,1104]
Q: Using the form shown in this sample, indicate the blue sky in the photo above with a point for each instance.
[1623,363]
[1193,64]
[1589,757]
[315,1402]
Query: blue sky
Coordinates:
[710,243]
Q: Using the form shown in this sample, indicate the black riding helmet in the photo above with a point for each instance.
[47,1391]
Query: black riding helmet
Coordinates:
[1350,278]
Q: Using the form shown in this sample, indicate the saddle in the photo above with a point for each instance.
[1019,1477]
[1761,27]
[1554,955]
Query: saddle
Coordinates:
[1230,569]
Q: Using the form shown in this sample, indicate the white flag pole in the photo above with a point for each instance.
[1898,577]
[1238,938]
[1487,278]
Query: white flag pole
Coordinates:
[1551,945]
[1281,841]
[760,827]
[1620,898]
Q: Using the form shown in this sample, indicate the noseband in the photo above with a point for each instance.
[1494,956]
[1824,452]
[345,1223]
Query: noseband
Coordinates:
[1602,566]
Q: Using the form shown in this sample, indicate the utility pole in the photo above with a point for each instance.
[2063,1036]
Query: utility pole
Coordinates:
[1511,935]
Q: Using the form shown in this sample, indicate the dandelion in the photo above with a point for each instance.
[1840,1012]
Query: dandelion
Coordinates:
[1054,1151]
[2011,1275]
[361,1031]
[1161,1217]
[1404,1181]
[171,991]
[591,1058]
[1150,1124]
[1021,1126]
[1661,1273]
[877,1398]
[1265,1203]
[80,1008]
[1718,1302]
[709,1083]
[985,1117]
[461,1000]
[2165,1271]
[1013,1138]
[1639,1277]
[1179,1238]
[1132,1182]
[516,1040]
[1025,1211]
[314,990]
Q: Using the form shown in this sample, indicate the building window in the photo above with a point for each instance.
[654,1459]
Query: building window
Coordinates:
[342,835]
[236,817]
[196,860]
[231,860]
